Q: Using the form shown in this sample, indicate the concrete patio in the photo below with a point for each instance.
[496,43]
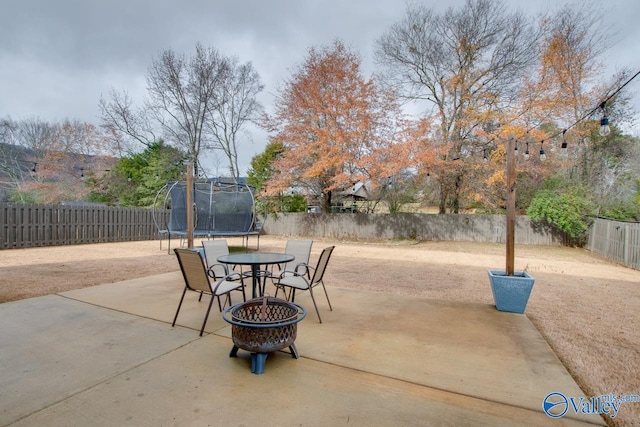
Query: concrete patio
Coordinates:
[107,355]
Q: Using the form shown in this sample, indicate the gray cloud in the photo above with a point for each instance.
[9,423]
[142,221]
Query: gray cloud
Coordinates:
[58,57]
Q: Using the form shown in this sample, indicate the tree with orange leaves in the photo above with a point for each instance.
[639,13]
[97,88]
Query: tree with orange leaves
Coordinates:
[557,93]
[337,128]
[467,64]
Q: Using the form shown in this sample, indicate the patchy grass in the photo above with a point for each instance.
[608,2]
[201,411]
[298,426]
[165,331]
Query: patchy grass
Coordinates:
[583,305]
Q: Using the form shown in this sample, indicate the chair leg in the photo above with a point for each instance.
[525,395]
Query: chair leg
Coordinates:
[327,295]
[314,304]
[179,305]
[206,316]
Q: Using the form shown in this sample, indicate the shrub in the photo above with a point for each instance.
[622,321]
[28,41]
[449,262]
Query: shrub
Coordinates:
[568,209]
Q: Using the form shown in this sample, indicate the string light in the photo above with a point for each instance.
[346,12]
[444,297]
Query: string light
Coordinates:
[526,153]
[58,166]
[484,156]
[605,130]
[543,156]
[604,121]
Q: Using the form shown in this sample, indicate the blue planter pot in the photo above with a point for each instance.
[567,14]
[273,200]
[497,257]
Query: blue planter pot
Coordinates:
[511,293]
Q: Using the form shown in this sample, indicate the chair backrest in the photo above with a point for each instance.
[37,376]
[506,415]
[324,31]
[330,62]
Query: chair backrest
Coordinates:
[301,250]
[193,270]
[212,250]
[318,273]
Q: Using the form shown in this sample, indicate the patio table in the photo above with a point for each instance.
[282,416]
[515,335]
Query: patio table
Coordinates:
[255,260]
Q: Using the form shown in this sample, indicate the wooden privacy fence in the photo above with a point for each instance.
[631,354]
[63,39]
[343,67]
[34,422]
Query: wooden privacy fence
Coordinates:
[27,225]
[616,240]
[24,225]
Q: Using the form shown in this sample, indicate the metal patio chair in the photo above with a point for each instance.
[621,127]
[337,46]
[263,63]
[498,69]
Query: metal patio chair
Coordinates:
[297,281]
[212,250]
[197,279]
[301,250]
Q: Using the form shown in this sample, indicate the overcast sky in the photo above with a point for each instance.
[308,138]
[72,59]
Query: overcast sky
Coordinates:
[57,57]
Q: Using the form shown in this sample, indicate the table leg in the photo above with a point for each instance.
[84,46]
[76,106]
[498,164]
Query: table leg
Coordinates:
[254,275]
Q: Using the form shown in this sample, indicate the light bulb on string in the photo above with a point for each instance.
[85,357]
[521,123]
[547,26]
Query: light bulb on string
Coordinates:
[484,156]
[543,156]
[564,139]
[604,126]
[526,153]
[604,122]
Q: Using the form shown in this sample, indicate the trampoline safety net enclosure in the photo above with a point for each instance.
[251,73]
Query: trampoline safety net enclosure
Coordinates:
[220,209]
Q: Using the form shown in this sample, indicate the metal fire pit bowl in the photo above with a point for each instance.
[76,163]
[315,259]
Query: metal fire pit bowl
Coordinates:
[263,325]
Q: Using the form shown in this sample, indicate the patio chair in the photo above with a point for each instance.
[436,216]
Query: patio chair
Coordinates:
[301,250]
[212,250]
[197,279]
[297,281]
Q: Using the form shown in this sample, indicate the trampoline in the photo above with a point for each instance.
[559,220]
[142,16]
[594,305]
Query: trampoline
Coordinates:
[219,210]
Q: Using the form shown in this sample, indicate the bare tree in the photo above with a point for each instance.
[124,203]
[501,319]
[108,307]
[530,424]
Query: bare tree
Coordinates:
[197,103]
[120,117]
[81,138]
[39,136]
[235,105]
[181,92]
[13,169]
[468,64]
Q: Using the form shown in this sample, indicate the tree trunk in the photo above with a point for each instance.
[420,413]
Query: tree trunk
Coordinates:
[442,206]
[327,201]
[456,194]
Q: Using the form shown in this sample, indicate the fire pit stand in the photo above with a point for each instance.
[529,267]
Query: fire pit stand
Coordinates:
[263,325]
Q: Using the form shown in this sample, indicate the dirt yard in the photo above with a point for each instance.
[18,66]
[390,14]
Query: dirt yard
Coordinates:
[585,307]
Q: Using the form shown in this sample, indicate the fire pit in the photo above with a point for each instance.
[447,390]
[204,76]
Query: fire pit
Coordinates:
[262,325]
